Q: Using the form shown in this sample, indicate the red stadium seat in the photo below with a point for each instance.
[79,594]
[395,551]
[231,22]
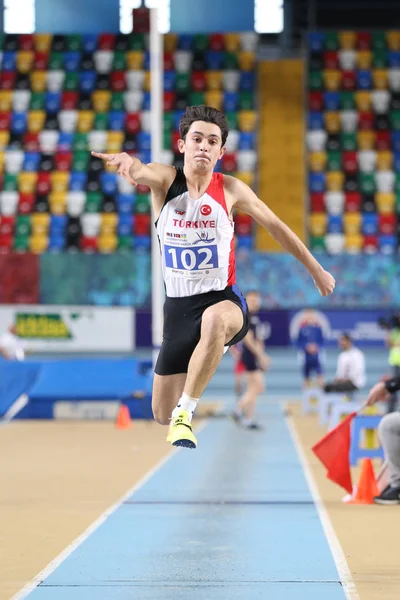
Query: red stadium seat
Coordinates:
[174,141]
[40,61]
[26,203]
[106,41]
[117,81]
[383,140]
[7,80]
[69,100]
[350,162]
[363,40]
[387,224]
[6,242]
[63,161]
[169,64]
[370,244]
[365,120]
[132,123]
[7,225]
[317,202]
[316,101]
[198,81]
[229,162]
[331,60]
[217,42]
[169,100]
[5,120]
[142,189]
[26,41]
[88,244]
[243,224]
[142,224]
[43,184]
[31,141]
[349,80]
[352,202]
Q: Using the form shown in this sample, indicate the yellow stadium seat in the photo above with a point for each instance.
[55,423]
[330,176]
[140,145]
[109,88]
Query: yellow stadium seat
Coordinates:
[59,181]
[366,140]
[334,181]
[109,223]
[170,42]
[247,60]
[393,40]
[85,121]
[384,160]
[135,60]
[27,182]
[214,80]
[247,120]
[317,161]
[347,40]
[354,242]
[25,61]
[107,243]
[5,100]
[232,42]
[352,223]
[38,243]
[101,100]
[363,100]
[40,223]
[364,59]
[385,202]
[38,81]
[2,159]
[380,78]
[332,121]
[4,139]
[246,177]
[332,79]
[214,98]
[36,120]
[318,224]
[115,139]
[147,81]
[43,42]
[58,203]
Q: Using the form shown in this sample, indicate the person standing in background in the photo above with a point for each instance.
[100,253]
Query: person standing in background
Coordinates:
[393,341]
[310,342]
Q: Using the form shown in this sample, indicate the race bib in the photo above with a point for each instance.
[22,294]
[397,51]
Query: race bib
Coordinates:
[201,258]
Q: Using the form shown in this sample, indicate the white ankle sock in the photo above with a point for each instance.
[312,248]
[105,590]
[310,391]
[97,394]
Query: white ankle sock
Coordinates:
[187,403]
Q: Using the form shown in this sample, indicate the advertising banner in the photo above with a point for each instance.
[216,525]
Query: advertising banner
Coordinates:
[71,328]
[362,325]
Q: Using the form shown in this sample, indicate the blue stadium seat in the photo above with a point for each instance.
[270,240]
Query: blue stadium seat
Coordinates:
[369,223]
[31,161]
[185,42]
[19,122]
[231,101]
[315,120]
[77,181]
[213,60]
[125,223]
[142,242]
[58,224]
[396,141]
[335,224]
[89,42]
[146,63]
[72,61]
[56,242]
[52,102]
[145,156]
[332,100]
[177,114]
[394,59]
[396,161]
[247,140]
[247,80]
[65,141]
[316,41]
[364,79]
[169,81]
[245,241]
[116,120]
[387,244]
[144,140]
[316,182]
[9,61]
[146,101]
[87,81]
[108,183]
[125,203]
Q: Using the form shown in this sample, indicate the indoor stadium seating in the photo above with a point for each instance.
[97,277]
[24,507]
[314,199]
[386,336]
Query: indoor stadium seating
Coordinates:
[353,141]
[63,95]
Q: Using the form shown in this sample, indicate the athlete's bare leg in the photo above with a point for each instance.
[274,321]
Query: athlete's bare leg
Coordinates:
[167,389]
[219,324]
[255,387]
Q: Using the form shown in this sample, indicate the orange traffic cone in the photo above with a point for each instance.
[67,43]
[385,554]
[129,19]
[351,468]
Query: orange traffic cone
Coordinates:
[367,486]
[123,418]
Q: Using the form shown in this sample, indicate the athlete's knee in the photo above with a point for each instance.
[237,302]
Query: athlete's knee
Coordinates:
[160,414]
[213,325]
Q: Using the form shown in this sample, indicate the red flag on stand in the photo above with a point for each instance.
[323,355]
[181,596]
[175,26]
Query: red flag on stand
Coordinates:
[333,451]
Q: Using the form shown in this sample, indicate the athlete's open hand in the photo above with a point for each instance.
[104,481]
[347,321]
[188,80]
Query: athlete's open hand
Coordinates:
[325,283]
[122,162]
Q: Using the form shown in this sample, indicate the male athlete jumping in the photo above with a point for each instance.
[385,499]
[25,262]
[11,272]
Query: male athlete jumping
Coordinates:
[203,312]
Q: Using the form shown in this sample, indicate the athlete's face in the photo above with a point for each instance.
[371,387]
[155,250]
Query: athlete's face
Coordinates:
[202,146]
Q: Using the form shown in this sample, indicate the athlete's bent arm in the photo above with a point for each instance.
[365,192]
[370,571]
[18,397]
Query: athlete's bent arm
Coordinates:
[246,200]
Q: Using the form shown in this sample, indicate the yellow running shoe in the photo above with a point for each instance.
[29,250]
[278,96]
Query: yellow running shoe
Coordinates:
[180,431]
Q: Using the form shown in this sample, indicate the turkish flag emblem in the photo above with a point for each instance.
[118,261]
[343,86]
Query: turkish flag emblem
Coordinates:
[205,210]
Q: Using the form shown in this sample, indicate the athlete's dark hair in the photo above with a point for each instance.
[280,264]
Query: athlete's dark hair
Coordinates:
[346,336]
[206,114]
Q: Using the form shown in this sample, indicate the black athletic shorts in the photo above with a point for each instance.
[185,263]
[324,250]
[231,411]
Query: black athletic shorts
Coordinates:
[182,325]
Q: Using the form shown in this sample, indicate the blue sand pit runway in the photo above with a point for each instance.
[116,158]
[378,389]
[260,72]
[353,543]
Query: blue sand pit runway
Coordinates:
[234,519]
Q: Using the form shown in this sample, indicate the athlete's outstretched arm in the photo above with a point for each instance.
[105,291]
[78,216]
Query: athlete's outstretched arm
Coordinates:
[246,200]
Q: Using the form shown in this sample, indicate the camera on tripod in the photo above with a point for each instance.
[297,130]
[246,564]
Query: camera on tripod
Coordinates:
[392,322]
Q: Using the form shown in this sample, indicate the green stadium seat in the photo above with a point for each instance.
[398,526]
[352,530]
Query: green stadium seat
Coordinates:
[395,119]
[200,42]
[37,101]
[378,40]
[10,182]
[232,120]
[137,41]
[21,243]
[117,101]
[100,122]
[142,204]
[230,60]
[80,161]
[74,42]
[125,243]
[318,243]
[331,40]
[182,83]
[379,58]
[315,80]
[23,225]
[196,98]
[367,183]
[348,140]
[56,61]
[334,162]
[246,100]
[347,100]
[93,202]
[119,62]
[168,121]
[71,82]
[80,142]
